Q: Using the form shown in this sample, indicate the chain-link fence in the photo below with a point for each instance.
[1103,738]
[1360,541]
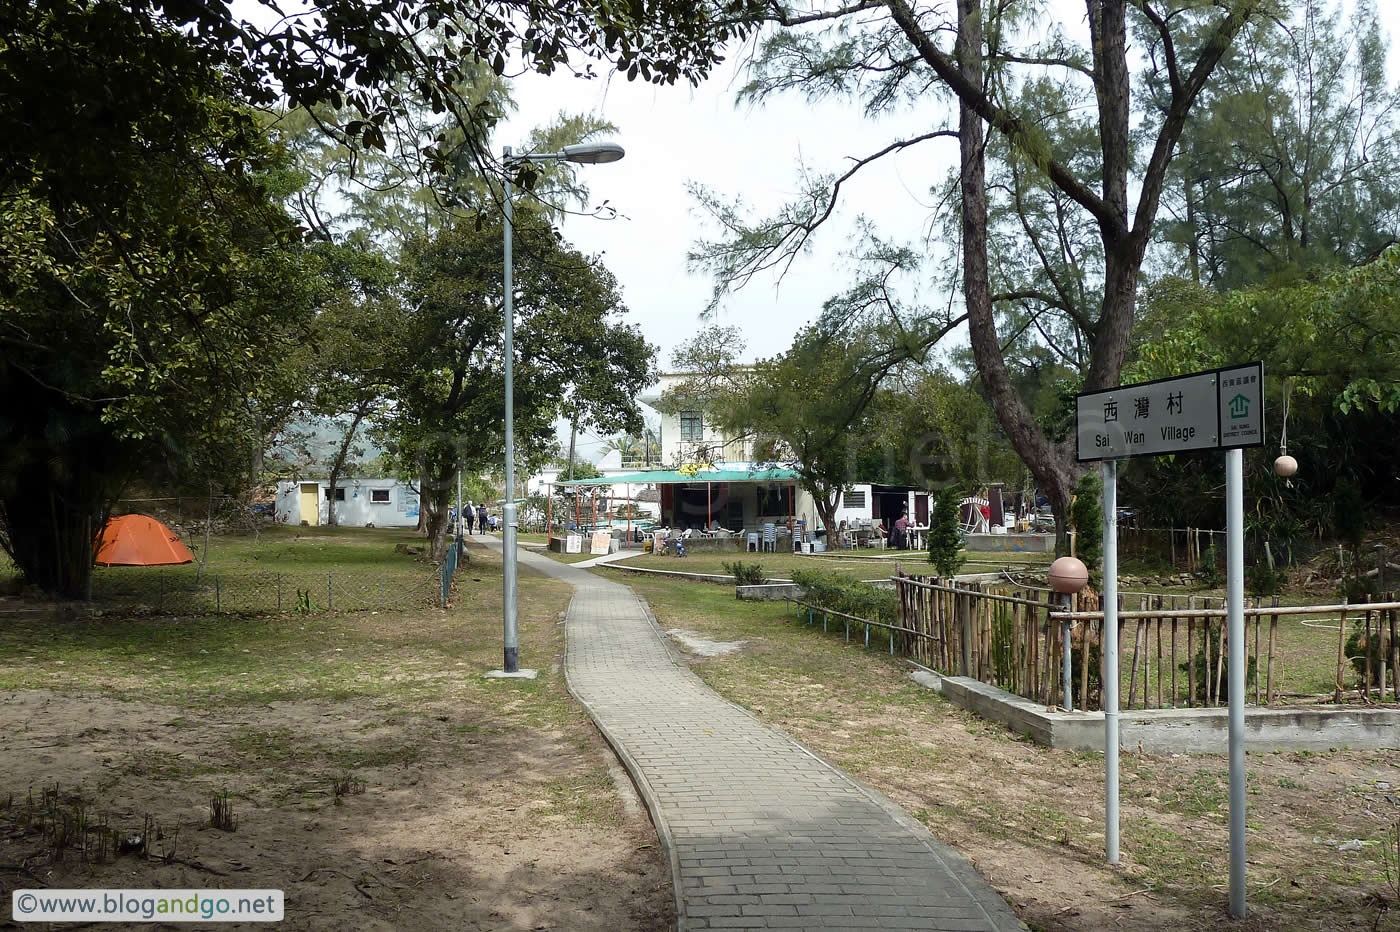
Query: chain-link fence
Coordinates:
[189,515]
[456,550]
[183,591]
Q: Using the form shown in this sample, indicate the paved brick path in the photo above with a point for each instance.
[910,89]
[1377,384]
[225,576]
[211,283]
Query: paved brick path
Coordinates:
[762,833]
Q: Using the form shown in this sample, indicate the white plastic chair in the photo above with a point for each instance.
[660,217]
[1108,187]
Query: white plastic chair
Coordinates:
[770,537]
[752,542]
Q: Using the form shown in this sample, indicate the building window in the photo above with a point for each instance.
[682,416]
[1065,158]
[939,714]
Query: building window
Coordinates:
[379,496]
[339,493]
[692,426]
[854,499]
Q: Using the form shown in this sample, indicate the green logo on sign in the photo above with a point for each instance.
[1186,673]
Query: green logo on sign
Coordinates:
[1239,407]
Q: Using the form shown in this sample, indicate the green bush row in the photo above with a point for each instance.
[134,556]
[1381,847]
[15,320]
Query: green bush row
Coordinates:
[745,574]
[849,596]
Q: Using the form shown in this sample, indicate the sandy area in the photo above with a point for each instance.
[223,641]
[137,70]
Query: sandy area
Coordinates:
[447,823]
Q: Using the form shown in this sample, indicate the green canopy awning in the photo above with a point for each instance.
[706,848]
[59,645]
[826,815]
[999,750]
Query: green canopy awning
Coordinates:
[670,477]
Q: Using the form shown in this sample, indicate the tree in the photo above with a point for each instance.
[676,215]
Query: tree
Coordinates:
[354,358]
[945,537]
[148,284]
[447,411]
[889,54]
[808,409]
[1290,160]
[1329,347]
[372,64]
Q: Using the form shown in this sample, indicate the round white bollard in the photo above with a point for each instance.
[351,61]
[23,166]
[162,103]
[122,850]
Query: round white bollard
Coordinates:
[1068,575]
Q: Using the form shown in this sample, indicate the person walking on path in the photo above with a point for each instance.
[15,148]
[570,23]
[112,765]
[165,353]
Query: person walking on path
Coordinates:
[481,519]
[470,515]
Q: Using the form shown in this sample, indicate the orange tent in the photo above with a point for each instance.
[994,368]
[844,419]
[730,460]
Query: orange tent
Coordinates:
[139,540]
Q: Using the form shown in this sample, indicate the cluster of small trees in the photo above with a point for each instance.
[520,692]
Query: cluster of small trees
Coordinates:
[213,229]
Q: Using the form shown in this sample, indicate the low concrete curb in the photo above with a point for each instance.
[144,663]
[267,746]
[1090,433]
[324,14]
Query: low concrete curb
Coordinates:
[1161,731]
[771,591]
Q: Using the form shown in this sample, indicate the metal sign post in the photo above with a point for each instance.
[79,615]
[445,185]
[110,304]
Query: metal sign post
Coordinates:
[1234,602]
[1110,658]
[1213,410]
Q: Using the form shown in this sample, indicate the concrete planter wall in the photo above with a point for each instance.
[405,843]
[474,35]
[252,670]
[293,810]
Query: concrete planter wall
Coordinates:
[771,591]
[1182,731]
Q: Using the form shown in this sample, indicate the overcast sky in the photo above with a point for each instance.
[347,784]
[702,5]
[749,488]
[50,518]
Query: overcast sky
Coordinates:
[676,135]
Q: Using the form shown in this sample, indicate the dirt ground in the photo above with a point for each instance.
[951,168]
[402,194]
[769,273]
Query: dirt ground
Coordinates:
[464,833]
[375,776]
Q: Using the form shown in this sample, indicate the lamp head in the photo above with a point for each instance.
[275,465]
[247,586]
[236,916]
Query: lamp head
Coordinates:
[593,153]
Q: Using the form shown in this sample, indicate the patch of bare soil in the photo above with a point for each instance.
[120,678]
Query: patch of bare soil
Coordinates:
[443,819]
[701,646]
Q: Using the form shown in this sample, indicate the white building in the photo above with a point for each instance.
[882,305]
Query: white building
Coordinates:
[357,502]
[686,436]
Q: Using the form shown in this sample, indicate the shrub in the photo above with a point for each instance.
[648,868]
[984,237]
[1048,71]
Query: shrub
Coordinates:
[944,536]
[1359,645]
[1259,580]
[849,596]
[1208,570]
[1208,670]
[1086,515]
[745,574]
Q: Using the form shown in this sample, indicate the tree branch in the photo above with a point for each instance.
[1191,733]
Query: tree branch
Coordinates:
[1009,125]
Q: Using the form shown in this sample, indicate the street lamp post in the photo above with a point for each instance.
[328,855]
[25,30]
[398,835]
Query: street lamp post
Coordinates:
[590,153]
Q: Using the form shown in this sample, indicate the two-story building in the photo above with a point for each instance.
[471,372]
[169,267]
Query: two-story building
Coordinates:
[687,436]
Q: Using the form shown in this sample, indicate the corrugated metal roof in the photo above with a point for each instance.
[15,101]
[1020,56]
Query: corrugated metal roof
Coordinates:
[671,477]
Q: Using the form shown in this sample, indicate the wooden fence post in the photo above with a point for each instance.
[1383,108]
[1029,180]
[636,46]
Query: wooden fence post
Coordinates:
[1370,646]
[1191,653]
[1394,658]
[1158,625]
[1273,631]
[1175,694]
[1341,644]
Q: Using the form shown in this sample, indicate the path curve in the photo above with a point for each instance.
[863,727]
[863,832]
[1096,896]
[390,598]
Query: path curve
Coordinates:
[761,832]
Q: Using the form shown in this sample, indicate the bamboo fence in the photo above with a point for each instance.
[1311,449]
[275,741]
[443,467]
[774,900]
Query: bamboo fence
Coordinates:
[1172,649]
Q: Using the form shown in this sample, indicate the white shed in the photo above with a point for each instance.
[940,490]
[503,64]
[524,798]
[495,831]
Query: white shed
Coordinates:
[358,502]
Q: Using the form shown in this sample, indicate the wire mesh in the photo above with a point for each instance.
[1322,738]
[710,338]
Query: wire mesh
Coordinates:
[179,591]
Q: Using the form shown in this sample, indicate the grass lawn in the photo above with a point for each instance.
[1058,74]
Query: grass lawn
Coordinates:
[375,774]
[300,549]
[274,569]
[1031,817]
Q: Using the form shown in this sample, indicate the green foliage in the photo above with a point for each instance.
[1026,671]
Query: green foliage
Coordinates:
[852,597]
[745,574]
[149,285]
[1259,580]
[1378,645]
[1086,516]
[1350,512]
[945,533]
[1288,161]
[581,469]
[1206,671]
[1208,569]
[571,349]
